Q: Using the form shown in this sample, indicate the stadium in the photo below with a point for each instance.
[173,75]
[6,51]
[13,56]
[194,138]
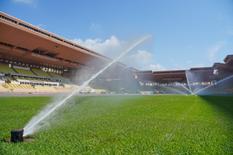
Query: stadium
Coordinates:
[124,110]
[49,62]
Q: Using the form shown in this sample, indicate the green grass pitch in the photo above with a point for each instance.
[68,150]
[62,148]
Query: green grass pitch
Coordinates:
[166,124]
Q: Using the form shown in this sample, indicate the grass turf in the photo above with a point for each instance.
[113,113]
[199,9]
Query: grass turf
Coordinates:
[124,125]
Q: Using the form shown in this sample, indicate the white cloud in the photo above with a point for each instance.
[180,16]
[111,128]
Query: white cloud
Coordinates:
[109,47]
[142,56]
[24,1]
[113,46]
[142,59]
[156,67]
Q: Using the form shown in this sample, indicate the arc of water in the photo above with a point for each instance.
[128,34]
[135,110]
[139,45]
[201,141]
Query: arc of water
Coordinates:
[31,125]
[188,82]
[218,82]
[185,88]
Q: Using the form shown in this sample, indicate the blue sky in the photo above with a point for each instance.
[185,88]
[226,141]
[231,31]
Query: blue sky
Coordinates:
[185,33]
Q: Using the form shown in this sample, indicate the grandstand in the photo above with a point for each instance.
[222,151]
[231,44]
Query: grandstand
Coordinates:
[194,79]
[45,65]
[33,60]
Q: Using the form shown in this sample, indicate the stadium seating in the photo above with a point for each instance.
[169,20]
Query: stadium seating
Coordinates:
[58,76]
[24,72]
[4,68]
[16,87]
[55,75]
[21,79]
[39,72]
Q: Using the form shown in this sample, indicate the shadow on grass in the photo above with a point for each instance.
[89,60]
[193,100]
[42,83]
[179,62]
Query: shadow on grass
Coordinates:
[224,104]
[221,103]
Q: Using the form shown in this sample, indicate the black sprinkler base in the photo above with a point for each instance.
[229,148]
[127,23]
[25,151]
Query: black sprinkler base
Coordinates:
[16,136]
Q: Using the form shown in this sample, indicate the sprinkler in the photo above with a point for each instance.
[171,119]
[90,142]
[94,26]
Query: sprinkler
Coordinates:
[17,135]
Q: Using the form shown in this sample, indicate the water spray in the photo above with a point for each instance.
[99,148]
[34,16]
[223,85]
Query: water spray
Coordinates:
[34,124]
[210,86]
[188,82]
[174,90]
[186,88]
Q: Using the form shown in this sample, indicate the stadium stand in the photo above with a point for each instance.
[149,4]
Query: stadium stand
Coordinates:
[39,72]
[217,79]
[21,79]
[49,64]
[4,68]
[24,71]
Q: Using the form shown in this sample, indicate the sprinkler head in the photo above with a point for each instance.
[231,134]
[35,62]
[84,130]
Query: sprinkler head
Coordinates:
[17,135]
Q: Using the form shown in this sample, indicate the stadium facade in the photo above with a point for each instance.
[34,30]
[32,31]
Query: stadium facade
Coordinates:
[33,60]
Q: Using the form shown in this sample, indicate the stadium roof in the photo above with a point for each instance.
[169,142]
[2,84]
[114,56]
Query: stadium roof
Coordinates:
[22,41]
[202,69]
[229,59]
[223,66]
[162,76]
[180,75]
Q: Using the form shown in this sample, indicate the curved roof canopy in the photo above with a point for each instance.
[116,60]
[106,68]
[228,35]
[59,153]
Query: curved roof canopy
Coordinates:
[24,42]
